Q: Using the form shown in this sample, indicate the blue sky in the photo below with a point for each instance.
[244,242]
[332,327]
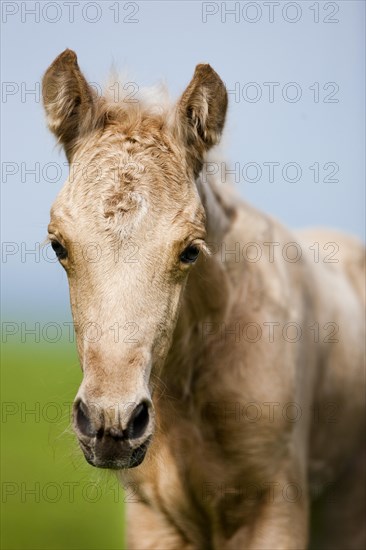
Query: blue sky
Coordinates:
[295,127]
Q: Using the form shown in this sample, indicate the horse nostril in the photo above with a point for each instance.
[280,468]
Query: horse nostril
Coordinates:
[82,419]
[138,421]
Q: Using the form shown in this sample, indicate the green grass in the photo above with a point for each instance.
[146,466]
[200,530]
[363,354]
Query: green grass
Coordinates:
[51,498]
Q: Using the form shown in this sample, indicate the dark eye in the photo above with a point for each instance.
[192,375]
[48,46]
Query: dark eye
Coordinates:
[190,254]
[59,250]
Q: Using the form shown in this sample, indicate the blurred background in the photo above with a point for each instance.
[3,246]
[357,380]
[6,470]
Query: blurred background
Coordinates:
[294,142]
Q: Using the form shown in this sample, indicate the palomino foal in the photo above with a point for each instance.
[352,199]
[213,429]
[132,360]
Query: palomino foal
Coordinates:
[224,376]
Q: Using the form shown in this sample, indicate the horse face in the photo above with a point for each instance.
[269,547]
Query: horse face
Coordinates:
[128,226]
[127,254]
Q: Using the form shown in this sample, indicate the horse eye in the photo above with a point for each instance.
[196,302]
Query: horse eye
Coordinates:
[59,250]
[190,254]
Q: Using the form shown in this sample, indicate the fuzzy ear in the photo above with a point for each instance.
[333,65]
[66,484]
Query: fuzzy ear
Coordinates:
[201,113]
[69,101]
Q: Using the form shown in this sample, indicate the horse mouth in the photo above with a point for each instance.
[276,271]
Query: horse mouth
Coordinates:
[126,459]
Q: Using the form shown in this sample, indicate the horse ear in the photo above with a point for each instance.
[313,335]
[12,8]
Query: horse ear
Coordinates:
[201,113]
[68,100]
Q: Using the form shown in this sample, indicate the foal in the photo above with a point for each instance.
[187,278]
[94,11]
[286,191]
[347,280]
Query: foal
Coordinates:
[222,358]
